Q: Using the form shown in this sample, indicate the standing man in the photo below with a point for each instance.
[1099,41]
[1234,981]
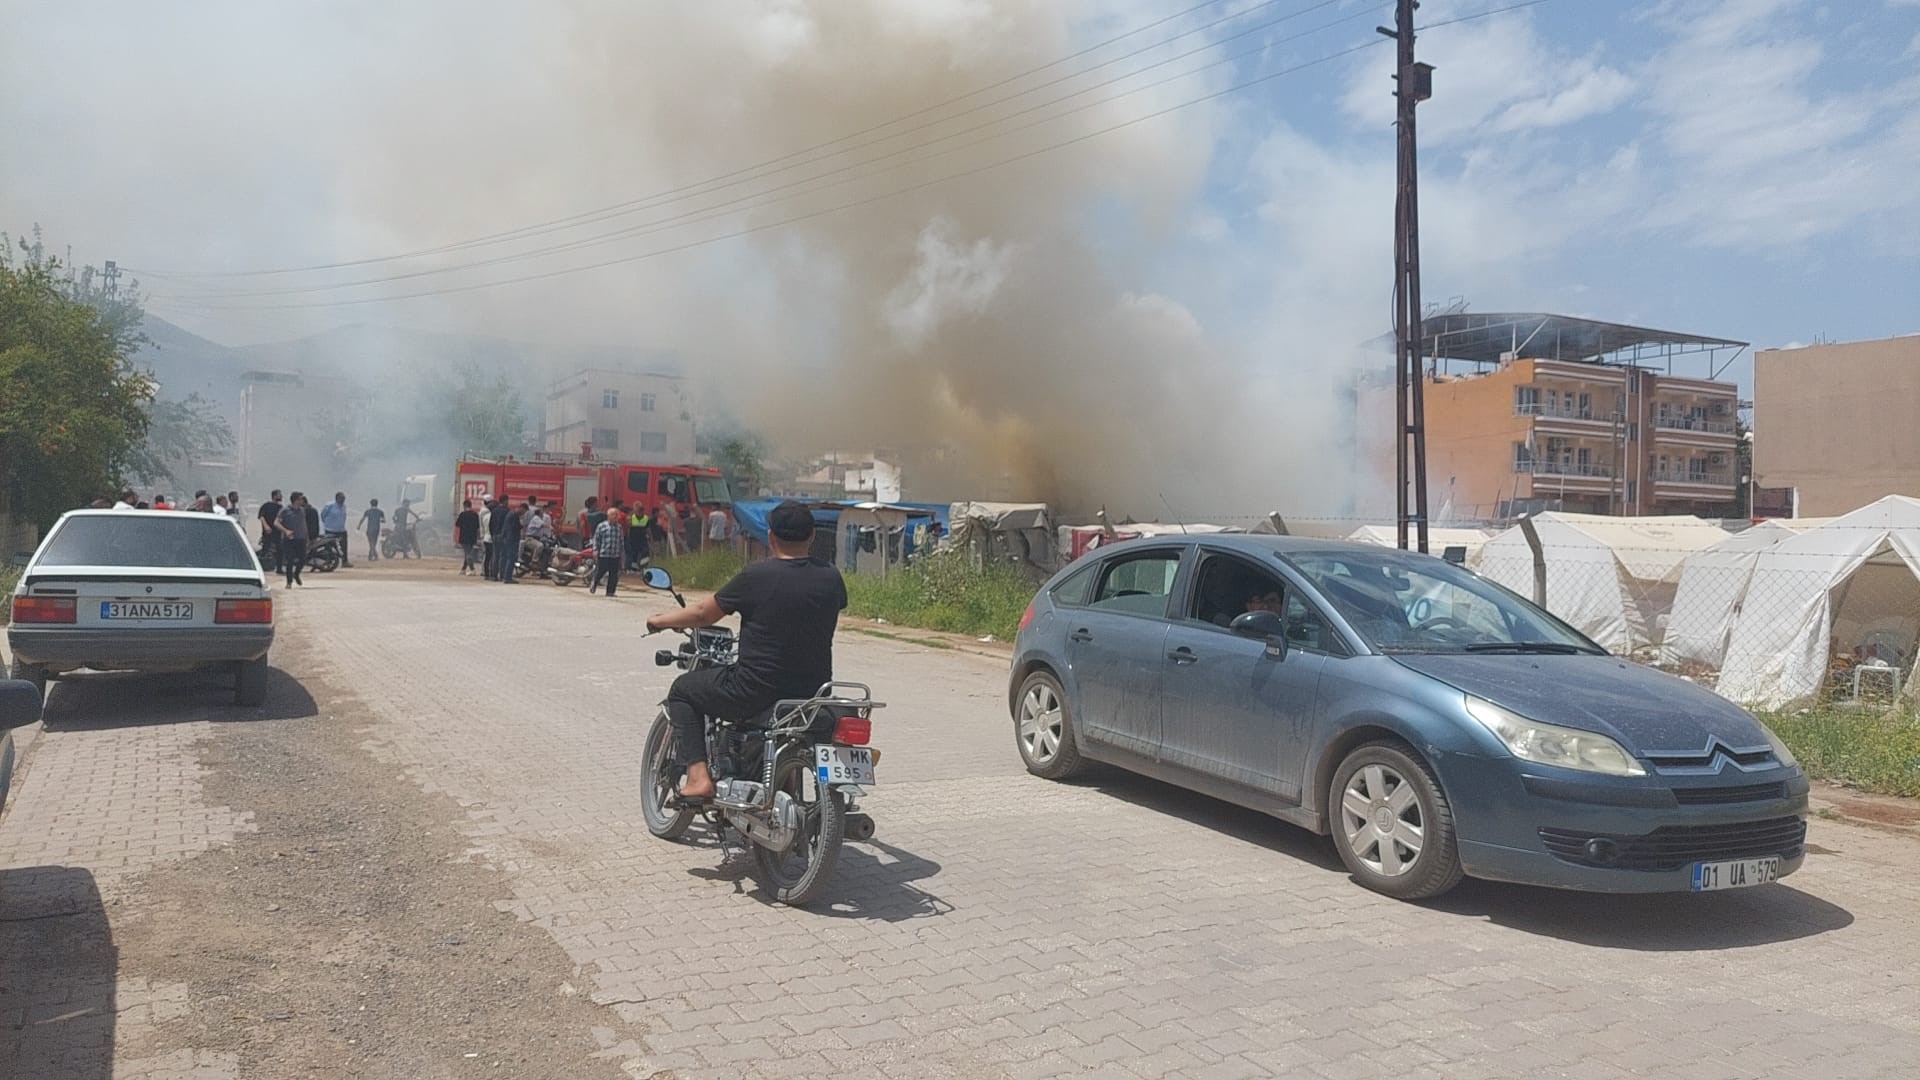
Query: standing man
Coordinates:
[719,526]
[466,533]
[127,500]
[589,520]
[370,520]
[233,504]
[609,550]
[333,522]
[638,553]
[313,520]
[270,526]
[485,516]
[294,532]
[404,537]
[220,506]
[509,545]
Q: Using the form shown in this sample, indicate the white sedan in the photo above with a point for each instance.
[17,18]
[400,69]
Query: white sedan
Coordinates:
[143,590]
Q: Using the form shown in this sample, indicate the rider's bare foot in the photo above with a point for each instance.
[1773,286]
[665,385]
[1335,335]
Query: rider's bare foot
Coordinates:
[698,783]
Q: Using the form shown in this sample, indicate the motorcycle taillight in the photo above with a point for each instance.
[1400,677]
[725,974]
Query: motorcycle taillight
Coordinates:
[852,731]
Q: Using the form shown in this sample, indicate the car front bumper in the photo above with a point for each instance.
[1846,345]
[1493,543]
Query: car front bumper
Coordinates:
[64,648]
[1502,806]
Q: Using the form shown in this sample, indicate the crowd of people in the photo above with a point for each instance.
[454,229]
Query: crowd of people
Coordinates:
[498,536]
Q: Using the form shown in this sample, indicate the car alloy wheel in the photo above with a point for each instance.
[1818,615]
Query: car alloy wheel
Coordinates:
[1041,723]
[1380,813]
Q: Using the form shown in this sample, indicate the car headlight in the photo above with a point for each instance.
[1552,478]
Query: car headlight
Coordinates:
[1780,751]
[1550,744]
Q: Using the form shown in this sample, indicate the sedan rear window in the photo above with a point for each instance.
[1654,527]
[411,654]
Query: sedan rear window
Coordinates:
[133,539]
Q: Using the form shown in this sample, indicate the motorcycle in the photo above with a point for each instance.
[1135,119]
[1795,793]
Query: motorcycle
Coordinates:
[785,780]
[269,553]
[566,565]
[324,555]
[398,541]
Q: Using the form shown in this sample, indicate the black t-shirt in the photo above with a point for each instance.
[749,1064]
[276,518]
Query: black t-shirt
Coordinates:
[269,514]
[497,519]
[788,611]
[466,527]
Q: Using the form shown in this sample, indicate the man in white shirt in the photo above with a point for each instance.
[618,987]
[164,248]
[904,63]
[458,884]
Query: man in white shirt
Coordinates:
[719,526]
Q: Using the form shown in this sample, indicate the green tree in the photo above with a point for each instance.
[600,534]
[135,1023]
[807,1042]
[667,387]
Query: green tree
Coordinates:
[182,437]
[73,408]
[484,415]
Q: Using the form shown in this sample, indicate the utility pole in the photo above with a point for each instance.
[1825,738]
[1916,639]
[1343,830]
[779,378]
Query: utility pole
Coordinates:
[1414,84]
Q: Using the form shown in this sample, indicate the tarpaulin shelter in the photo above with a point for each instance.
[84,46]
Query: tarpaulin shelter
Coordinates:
[1077,540]
[1713,583]
[1438,539]
[1019,533]
[907,524]
[1611,578]
[1848,589]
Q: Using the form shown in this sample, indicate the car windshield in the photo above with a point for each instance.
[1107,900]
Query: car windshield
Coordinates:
[133,539]
[1409,603]
[711,489]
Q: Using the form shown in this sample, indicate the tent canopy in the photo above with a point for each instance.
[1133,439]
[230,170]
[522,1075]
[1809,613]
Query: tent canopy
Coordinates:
[1611,578]
[1438,540]
[1712,583]
[1848,590]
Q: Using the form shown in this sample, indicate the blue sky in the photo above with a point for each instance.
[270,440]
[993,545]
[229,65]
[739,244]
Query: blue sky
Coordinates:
[1746,169]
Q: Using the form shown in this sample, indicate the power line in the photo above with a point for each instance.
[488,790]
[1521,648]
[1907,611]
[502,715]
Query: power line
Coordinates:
[673,194]
[849,172]
[798,218]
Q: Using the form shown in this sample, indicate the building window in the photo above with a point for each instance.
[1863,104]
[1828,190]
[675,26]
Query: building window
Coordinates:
[605,438]
[1526,400]
[646,404]
[1586,405]
[653,440]
[1522,457]
[609,399]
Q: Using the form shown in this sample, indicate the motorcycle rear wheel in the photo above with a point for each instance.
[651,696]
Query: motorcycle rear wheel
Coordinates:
[797,876]
[658,778]
[325,562]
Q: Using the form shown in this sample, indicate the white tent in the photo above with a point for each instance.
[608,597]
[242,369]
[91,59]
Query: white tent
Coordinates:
[1713,582]
[1612,578]
[1438,540]
[1849,588]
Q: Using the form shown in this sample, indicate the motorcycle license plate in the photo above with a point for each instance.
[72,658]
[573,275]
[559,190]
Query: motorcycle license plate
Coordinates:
[844,765]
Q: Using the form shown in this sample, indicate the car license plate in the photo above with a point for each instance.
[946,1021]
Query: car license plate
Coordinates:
[844,764]
[1736,874]
[146,609]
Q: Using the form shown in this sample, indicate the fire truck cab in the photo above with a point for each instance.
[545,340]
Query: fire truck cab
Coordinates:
[569,479]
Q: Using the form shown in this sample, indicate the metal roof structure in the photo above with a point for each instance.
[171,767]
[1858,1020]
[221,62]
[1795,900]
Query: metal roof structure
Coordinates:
[1489,337]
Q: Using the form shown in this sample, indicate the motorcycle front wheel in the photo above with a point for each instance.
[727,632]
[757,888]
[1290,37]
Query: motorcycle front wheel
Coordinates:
[658,778]
[797,876]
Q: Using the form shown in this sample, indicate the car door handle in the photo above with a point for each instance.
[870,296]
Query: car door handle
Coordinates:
[1182,655]
[1082,634]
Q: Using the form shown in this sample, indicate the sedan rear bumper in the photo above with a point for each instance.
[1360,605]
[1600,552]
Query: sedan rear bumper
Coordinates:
[151,649]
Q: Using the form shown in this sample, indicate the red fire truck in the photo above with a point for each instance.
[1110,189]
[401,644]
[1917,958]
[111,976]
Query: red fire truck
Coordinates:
[569,478]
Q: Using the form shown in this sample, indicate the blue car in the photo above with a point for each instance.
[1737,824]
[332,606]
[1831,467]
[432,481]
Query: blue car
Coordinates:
[1437,725]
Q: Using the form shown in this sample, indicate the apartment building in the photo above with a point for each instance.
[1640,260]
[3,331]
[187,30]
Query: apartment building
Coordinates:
[1835,422]
[620,416]
[1571,414]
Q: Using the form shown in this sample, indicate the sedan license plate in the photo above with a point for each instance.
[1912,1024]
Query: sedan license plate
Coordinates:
[178,610]
[844,764]
[1735,874]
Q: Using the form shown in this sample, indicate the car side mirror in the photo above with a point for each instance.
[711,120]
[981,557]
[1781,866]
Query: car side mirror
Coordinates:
[1266,626]
[656,578]
[1455,554]
[20,703]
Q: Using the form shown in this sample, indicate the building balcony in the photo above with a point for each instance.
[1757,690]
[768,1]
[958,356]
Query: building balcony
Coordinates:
[1541,411]
[1574,469]
[1694,423]
[1693,478]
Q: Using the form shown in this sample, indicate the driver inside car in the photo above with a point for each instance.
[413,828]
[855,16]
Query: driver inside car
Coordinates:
[789,605]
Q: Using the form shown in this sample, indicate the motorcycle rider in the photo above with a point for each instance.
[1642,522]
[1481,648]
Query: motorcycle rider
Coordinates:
[789,605]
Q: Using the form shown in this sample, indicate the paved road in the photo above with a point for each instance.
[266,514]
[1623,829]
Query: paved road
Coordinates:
[999,925]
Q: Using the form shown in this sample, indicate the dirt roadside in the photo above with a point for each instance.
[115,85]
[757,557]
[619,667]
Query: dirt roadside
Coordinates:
[347,936]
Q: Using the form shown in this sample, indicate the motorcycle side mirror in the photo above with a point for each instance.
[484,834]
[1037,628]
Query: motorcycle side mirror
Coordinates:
[657,578]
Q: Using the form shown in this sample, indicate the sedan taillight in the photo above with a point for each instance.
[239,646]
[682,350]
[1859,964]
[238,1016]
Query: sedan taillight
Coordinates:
[43,609]
[243,611]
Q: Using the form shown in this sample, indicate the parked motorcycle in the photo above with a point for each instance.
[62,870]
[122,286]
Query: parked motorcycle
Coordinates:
[398,540]
[786,780]
[324,555]
[269,553]
[566,565]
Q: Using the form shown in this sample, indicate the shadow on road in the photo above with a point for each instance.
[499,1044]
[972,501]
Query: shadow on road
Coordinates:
[1248,826]
[1657,922]
[58,965]
[98,701]
[873,880]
